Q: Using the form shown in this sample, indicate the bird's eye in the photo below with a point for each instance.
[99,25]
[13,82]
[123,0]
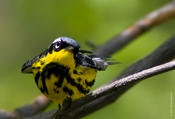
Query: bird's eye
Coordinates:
[57,44]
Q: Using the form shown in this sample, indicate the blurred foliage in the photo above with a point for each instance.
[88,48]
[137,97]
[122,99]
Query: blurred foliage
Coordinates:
[28,27]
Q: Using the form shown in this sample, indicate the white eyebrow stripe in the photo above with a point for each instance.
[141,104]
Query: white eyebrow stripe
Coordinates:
[56,40]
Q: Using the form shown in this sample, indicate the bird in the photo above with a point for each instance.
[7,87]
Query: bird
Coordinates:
[64,71]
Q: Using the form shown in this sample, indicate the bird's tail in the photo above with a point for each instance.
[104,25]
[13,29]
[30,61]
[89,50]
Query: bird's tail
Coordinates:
[94,61]
[103,63]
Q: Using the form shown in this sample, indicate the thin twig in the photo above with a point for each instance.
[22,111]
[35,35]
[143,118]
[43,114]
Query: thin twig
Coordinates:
[124,38]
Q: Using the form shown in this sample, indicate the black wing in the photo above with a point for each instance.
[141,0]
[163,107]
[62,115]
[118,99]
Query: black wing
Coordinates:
[91,61]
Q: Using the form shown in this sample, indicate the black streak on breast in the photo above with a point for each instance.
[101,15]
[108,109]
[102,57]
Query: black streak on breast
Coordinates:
[67,90]
[55,69]
[90,83]
[37,77]
[77,85]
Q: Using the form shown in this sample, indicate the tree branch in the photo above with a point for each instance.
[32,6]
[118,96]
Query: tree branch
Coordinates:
[38,105]
[124,38]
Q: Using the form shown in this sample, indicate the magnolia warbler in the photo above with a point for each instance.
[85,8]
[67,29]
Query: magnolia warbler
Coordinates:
[64,71]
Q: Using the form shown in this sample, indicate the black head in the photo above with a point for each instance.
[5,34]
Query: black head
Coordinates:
[64,43]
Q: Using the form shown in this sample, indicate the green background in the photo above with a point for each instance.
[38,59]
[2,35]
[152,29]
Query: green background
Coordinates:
[27,27]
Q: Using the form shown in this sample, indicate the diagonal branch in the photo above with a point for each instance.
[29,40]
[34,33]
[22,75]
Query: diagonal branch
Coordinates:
[124,38]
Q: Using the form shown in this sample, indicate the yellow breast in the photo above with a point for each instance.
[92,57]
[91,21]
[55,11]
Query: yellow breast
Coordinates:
[58,77]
